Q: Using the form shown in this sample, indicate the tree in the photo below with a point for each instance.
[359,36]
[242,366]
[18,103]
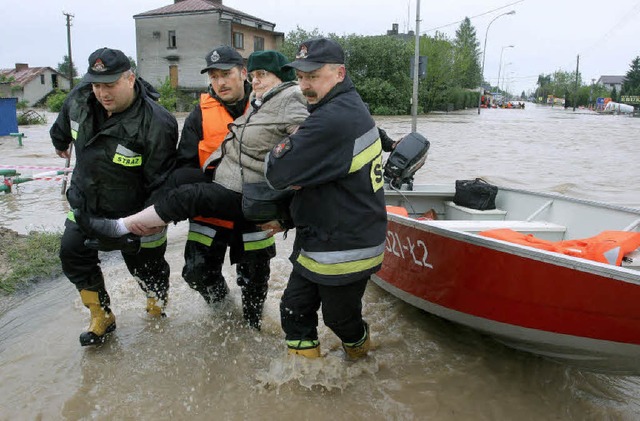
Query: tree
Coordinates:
[466,57]
[614,94]
[134,67]
[433,93]
[64,67]
[543,90]
[631,84]
[379,67]
[293,40]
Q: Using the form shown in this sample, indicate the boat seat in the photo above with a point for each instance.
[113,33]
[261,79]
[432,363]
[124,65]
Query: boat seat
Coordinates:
[541,229]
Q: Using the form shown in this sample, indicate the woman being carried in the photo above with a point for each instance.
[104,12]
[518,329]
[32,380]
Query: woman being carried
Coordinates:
[277,109]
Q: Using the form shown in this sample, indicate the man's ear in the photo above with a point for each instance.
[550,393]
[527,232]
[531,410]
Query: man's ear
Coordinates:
[342,72]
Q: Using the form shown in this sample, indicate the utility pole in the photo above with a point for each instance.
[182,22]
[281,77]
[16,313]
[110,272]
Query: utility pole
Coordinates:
[69,16]
[68,159]
[416,64]
[575,89]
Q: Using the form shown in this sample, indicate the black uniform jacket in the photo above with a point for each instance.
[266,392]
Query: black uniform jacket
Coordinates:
[121,161]
[339,213]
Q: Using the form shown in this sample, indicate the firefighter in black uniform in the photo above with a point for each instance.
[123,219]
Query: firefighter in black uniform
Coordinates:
[125,149]
[334,162]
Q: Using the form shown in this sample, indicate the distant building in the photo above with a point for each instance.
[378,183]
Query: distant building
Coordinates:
[32,84]
[394,32]
[610,82]
[172,41]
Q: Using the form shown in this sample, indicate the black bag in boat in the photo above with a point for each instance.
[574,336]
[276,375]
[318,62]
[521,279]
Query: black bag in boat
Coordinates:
[261,203]
[475,194]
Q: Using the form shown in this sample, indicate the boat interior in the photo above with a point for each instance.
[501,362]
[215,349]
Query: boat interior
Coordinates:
[548,217]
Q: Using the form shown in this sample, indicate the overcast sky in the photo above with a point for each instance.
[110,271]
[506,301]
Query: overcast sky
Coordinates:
[547,35]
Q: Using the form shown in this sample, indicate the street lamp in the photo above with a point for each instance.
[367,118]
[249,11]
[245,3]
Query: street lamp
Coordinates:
[484,54]
[500,65]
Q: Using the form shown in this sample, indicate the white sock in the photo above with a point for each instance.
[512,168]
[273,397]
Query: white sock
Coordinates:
[121,229]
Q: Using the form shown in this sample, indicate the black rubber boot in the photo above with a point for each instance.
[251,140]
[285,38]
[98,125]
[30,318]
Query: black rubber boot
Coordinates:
[253,281]
[216,293]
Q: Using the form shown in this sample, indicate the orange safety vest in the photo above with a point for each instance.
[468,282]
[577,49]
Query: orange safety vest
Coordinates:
[398,210]
[512,236]
[215,122]
[606,247]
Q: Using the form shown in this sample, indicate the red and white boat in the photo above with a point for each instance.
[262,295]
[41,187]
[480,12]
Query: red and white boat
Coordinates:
[546,302]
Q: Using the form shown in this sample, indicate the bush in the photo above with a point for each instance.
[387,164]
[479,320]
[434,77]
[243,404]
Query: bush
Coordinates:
[168,95]
[31,117]
[55,100]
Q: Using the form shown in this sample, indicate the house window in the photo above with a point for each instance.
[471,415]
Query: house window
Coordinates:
[172,39]
[238,40]
[258,43]
[42,79]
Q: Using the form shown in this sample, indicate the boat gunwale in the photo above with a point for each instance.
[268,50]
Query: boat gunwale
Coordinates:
[448,192]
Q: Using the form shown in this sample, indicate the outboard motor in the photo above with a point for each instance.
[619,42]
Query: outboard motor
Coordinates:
[406,158]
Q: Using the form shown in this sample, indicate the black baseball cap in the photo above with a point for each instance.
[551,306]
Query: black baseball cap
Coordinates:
[223,58]
[106,65]
[315,53]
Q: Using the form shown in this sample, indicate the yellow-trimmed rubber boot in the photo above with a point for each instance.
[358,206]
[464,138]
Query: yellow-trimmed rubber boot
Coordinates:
[361,348]
[155,307]
[102,319]
[308,349]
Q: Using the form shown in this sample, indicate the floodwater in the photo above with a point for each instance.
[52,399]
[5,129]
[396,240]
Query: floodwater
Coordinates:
[201,363]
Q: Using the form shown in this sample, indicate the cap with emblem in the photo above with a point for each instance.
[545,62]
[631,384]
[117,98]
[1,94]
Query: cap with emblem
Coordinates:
[106,65]
[223,58]
[315,53]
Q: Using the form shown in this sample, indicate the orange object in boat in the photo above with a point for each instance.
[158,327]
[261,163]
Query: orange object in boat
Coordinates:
[398,210]
[512,236]
[606,247]
[429,215]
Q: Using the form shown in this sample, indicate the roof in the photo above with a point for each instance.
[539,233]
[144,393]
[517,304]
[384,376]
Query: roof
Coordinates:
[196,6]
[611,80]
[24,76]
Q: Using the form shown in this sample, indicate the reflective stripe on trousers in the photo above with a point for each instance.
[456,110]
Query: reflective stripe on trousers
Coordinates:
[257,240]
[342,262]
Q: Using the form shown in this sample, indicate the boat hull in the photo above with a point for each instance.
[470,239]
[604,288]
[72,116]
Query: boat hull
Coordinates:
[557,306]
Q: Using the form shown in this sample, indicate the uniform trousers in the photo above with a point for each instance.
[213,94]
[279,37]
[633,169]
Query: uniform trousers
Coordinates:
[341,309]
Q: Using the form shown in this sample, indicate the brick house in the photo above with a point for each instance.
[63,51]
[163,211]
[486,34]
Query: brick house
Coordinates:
[32,84]
[172,41]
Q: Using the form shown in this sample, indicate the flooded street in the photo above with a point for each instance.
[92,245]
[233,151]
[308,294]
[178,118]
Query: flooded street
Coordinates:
[201,363]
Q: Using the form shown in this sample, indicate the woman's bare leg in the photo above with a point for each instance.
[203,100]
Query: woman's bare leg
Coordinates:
[145,222]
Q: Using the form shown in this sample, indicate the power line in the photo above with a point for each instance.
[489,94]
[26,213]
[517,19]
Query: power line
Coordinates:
[626,17]
[473,17]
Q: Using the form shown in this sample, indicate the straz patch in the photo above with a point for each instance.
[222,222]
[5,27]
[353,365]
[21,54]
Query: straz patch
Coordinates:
[126,157]
[125,161]
[282,148]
